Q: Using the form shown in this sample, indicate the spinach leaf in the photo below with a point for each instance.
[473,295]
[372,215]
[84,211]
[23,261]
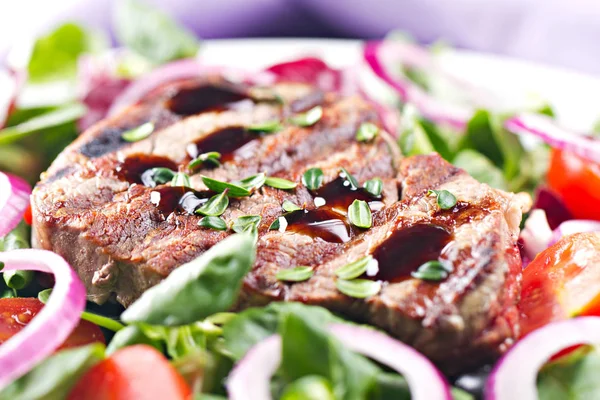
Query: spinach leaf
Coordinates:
[51,119]
[152,33]
[308,349]
[481,168]
[573,377]
[255,324]
[207,285]
[130,335]
[392,386]
[486,135]
[54,377]
[55,55]
[310,387]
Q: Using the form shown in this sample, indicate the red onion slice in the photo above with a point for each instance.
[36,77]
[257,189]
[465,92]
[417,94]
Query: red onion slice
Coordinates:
[52,325]
[574,226]
[550,132]
[8,92]
[536,234]
[14,200]
[514,376]
[181,69]
[450,114]
[250,378]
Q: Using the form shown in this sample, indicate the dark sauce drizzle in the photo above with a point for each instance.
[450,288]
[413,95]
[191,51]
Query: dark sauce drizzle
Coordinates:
[225,141]
[135,168]
[206,97]
[407,249]
[178,198]
[329,221]
[322,222]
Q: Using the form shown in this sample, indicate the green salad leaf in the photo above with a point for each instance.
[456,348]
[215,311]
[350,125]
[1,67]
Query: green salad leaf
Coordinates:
[130,335]
[151,33]
[207,285]
[54,56]
[572,377]
[53,118]
[481,168]
[309,387]
[255,324]
[53,378]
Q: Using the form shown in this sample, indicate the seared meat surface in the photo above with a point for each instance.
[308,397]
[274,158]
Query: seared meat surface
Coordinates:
[95,208]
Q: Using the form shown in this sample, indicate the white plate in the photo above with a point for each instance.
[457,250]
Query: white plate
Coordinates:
[575,96]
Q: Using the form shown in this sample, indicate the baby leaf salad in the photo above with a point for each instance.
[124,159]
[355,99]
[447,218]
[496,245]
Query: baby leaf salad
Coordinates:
[181,340]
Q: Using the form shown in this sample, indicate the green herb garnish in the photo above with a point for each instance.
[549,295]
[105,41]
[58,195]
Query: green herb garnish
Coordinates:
[445,199]
[349,178]
[253,182]
[288,206]
[266,127]
[213,222]
[220,186]
[366,131]
[308,118]
[159,176]
[138,133]
[276,225]
[215,206]
[280,183]
[374,187]
[181,179]
[359,214]
[297,274]
[211,157]
[246,223]
[354,269]
[432,271]
[313,178]
[358,288]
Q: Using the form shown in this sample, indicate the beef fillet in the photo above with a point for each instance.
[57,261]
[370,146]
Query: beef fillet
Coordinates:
[96,208]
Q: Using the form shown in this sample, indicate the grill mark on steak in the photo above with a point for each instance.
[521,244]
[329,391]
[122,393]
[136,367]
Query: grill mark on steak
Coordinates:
[121,243]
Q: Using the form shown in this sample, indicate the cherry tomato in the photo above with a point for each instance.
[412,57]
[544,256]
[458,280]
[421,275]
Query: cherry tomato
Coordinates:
[27,216]
[16,313]
[577,181]
[563,281]
[137,372]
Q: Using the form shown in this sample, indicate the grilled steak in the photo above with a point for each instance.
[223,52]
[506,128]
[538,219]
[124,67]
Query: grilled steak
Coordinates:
[96,208]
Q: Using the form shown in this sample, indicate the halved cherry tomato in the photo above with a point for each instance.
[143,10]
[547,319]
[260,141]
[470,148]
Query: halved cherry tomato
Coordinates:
[137,372]
[16,313]
[563,281]
[27,216]
[577,181]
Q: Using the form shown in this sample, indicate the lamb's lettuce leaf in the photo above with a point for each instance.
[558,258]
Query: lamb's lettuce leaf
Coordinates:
[151,33]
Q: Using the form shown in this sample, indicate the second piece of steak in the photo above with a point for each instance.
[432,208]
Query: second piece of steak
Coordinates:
[97,208]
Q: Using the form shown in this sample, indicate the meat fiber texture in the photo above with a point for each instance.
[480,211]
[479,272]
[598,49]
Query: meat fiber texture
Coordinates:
[100,217]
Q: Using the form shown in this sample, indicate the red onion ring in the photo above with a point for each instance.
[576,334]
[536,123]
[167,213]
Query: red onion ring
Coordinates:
[546,129]
[51,327]
[181,69]
[514,376]
[450,114]
[250,378]
[9,86]
[537,235]
[14,200]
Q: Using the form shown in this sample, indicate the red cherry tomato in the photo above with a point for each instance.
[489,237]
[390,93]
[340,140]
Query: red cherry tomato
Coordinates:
[577,181]
[137,372]
[27,216]
[16,313]
[563,281]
